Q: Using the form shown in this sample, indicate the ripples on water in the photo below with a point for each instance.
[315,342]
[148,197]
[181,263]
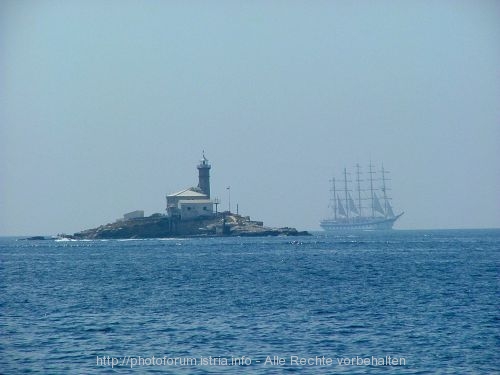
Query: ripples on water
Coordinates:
[429,297]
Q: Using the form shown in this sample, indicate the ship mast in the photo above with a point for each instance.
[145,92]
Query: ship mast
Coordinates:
[384,190]
[371,172]
[346,194]
[334,198]
[358,173]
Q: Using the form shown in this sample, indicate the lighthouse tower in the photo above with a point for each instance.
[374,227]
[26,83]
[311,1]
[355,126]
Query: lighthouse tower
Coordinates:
[204,176]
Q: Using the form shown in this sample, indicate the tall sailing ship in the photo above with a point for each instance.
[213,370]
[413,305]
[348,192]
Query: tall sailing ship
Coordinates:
[356,214]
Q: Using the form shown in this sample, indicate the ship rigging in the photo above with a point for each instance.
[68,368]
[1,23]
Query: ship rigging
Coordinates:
[350,215]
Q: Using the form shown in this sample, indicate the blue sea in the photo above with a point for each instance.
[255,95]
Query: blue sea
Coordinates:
[398,302]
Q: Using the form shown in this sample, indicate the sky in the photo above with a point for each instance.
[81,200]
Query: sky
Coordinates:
[106,106]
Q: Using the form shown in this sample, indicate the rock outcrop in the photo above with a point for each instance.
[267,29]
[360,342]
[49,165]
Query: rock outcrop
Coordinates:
[160,226]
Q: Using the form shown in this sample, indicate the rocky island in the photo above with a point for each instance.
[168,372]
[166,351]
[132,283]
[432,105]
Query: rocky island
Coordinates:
[189,214]
[161,226]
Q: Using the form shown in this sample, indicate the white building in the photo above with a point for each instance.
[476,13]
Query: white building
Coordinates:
[193,202]
[190,209]
[188,204]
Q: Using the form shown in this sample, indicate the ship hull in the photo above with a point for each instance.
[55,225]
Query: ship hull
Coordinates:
[331,225]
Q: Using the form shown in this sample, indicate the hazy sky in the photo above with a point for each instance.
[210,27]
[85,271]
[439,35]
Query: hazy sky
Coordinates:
[106,106]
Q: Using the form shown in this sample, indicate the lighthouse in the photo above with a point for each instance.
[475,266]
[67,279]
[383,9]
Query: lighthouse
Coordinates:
[204,176]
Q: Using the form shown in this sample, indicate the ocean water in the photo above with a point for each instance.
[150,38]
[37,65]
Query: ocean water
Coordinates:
[399,302]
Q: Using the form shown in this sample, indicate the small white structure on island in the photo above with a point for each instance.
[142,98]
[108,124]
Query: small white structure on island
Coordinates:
[193,202]
[196,208]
